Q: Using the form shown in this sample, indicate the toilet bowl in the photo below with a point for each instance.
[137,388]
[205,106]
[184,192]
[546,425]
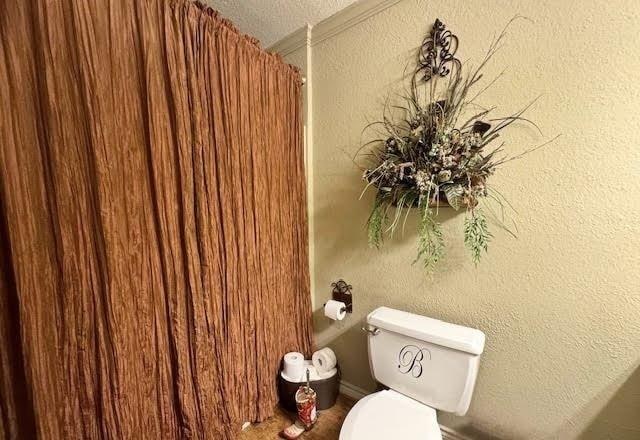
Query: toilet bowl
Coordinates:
[427,364]
[390,415]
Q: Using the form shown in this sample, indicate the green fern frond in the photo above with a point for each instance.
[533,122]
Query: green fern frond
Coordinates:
[375,224]
[431,242]
[476,234]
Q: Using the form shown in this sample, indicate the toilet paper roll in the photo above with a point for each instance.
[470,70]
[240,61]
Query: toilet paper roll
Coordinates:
[313,375]
[335,310]
[289,379]
[293,364]
[324,360]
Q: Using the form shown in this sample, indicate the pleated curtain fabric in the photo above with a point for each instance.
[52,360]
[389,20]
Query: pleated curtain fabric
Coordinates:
[153,258]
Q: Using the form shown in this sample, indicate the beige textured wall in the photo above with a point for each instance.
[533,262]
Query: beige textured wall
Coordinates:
[561,305]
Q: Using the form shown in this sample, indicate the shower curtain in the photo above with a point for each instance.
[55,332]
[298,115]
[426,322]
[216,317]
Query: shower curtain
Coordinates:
[153,231]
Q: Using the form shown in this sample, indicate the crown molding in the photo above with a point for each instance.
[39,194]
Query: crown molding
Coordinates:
[329,27]
[348,17]
[292,42]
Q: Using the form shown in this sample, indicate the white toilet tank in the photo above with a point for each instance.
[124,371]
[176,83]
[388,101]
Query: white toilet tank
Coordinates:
[429,360]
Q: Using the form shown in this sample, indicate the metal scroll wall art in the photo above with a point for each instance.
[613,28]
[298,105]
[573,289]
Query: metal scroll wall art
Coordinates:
[437,53]
[425,155]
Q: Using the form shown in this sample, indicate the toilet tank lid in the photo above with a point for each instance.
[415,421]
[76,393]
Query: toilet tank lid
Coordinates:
[431,330]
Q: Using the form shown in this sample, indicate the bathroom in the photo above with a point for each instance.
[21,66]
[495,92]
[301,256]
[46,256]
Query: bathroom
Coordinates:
[182,206]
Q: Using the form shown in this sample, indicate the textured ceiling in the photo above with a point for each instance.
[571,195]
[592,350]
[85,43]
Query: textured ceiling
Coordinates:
[271,20]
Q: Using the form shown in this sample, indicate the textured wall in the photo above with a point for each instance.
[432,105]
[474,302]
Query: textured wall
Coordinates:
[560,305]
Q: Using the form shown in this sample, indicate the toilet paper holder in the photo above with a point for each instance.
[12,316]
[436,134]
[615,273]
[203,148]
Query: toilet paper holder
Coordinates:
[342,292]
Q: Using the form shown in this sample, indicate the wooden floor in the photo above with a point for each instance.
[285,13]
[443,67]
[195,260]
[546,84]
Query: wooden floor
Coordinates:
[327,427]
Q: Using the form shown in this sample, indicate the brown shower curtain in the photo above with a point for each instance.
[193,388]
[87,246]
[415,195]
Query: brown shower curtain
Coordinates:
[153,253]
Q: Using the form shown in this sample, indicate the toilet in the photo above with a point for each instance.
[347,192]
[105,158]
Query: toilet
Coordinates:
[427,364]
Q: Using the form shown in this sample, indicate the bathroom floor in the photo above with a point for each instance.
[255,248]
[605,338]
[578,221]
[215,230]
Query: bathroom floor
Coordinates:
[328,427]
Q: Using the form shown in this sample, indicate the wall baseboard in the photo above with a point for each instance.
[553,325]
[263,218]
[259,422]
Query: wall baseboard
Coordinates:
[450,434]
[352,391]
[357,393]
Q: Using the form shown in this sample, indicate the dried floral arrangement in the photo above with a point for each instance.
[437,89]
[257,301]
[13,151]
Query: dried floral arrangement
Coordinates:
[443,150]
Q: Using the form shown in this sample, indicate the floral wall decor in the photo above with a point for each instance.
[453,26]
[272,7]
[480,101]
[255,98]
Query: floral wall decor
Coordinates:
[441,152]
